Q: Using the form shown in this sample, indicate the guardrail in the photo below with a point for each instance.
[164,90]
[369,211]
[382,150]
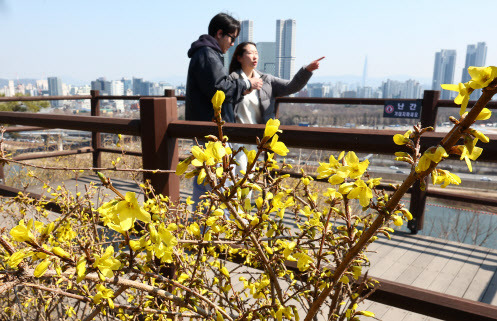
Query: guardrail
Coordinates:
[368,141]
[160,129]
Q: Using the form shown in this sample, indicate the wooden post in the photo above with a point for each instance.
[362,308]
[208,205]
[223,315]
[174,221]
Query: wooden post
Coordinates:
[418,197]
[169,93]
[96,142]
[159,150]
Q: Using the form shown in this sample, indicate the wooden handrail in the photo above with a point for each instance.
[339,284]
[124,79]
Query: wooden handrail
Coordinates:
[74,122]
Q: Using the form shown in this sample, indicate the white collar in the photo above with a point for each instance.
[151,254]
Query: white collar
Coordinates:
[244,76]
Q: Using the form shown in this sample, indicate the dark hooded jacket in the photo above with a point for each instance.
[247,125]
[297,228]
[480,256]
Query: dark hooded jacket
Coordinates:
[206,75]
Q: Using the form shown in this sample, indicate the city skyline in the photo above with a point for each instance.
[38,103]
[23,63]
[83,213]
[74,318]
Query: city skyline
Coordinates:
[130,39]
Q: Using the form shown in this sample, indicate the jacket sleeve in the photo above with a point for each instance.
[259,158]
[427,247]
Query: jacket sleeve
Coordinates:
[283,87]
[234,76]
[211,76]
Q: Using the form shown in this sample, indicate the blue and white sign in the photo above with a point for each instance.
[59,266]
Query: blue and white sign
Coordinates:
[402,109]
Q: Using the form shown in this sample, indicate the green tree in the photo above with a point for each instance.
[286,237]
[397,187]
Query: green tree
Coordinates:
[25,106]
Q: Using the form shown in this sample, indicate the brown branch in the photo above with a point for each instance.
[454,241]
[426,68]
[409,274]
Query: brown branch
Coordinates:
[447,142]
[8,285]
[198,295]
[154,291]
[116,305]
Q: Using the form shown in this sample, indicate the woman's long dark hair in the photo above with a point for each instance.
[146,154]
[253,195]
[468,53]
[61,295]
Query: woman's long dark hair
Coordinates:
[239,51]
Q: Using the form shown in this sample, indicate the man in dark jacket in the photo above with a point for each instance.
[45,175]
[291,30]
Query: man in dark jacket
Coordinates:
[206,73]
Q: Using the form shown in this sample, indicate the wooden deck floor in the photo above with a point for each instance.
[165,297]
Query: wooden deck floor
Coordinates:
[443,266]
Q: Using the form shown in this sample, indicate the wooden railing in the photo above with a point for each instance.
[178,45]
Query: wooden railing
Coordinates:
[160,129]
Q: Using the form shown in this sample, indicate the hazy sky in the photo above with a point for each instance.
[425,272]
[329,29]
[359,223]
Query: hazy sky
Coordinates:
[83,40]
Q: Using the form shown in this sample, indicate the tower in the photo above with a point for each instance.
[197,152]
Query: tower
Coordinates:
[246,34]
[476,55]
[55,89]
[285,48]
[365,72]
[443,71]
[267,61]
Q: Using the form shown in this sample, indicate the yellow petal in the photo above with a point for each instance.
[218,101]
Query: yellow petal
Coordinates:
[272,126]
[41,268]
[450,87]
[218,99]
[484,114]
[400,139]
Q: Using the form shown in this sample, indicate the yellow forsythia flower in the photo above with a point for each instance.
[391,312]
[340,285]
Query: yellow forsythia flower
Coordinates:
[107,263]
[183,166]
[225,272]
[362,192]
[41,268]
[481,76]
[463,98]
[278,147]
[104,293]
[21,232]
[81,268]
[60,252]
[217,101]
[272,126]
[484,114]
[402,139]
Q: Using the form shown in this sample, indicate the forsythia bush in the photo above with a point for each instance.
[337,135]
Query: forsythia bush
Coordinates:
[162,261]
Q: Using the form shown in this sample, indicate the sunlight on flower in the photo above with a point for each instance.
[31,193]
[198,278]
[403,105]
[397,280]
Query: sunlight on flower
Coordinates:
[272,127]
[122,215]
[278,147]
[463,97]
[21,232]
[104,293]
[107,263]
[217,101]
[468,157]
[400,139]
[362,192]
[481,76]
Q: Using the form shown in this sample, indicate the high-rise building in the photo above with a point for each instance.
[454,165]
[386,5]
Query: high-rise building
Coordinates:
[116,88]
[102,85]
[443,71]
[246,34]
[365,72]
[55,89]
[476,56]
[267,58]
[11,90]
[137,86]
[127,84]
[397,89]
[285,48]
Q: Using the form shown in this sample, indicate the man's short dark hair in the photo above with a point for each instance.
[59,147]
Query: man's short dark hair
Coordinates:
[224,22]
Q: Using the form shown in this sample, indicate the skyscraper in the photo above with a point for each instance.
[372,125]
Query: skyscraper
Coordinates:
[246,34]
[365,72]
[476,55]
[55,89]
[102,85]
[443,71]
[267,60]
[137,86]
[285,48]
